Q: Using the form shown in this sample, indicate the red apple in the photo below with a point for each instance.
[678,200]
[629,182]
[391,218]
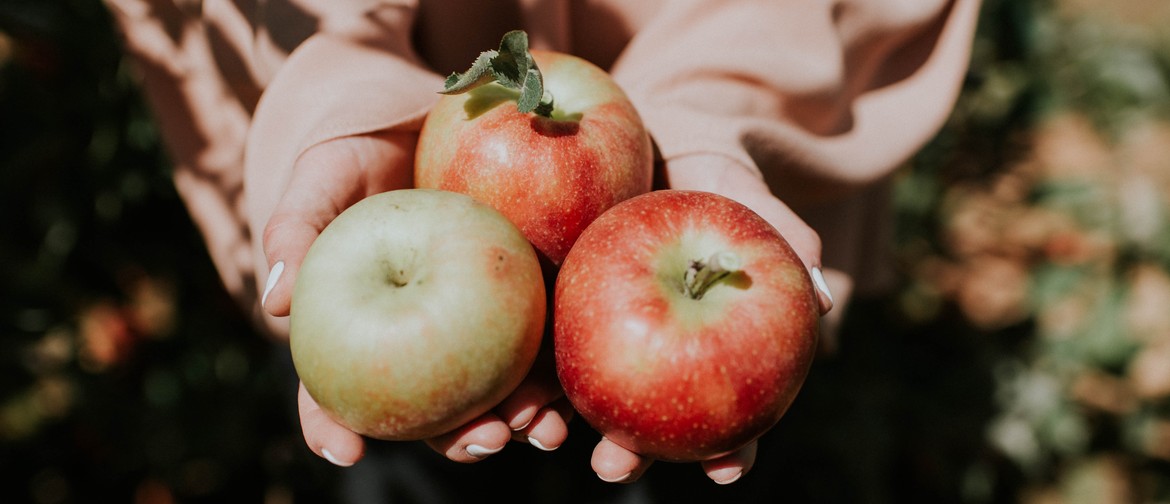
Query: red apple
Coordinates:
[551,175]
[684,325]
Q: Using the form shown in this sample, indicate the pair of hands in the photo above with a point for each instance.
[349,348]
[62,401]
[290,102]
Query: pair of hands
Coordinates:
[334,175]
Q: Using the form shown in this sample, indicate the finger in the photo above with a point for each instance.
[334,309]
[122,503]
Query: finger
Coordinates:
[729,468]
[325,437]
[549,428]
[614,464]
[723,176]
[475,441]
[539,389]
[327,179]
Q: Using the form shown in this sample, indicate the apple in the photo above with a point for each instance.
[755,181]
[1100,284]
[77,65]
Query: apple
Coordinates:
[551,168]
[414,312]
[684,325]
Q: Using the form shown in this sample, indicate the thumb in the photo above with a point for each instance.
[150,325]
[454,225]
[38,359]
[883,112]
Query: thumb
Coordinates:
[327,179]
[724,176]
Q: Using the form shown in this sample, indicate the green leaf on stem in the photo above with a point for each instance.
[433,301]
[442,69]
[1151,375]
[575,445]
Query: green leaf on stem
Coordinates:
[478,75]
[512,67]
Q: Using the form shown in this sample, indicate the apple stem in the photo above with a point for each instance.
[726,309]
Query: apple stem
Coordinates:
[510,66]
[703,273]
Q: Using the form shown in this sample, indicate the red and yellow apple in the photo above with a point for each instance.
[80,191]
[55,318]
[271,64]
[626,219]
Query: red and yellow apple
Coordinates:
[550,174]
[414,312]
[684,325]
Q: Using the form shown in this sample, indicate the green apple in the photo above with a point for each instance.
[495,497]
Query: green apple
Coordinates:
[414,312]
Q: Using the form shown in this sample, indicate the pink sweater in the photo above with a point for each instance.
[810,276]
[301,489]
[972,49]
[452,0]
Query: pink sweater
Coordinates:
[824,98]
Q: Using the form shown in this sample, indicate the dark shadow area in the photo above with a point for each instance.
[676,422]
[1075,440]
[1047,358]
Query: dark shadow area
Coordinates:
[551,127]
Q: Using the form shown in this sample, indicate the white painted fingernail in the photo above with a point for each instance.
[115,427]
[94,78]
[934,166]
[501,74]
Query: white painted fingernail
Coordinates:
[818,278]
[618,479]
[478,451]
[273,277]
[535,442]
[729,480]
[333,460]
[522,427]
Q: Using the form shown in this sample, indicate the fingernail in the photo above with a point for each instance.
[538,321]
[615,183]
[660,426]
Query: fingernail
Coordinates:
[618,479]
[273,277]
[333,460]
[522,427]
[818,278]
[535,442]
[732,478]
[478,451]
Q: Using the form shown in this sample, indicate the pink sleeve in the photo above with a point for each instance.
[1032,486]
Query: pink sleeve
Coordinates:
[232,86]
[822,97]
[353,76]
[331,87]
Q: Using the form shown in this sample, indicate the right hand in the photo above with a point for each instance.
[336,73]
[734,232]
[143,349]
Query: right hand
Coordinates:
[720,175]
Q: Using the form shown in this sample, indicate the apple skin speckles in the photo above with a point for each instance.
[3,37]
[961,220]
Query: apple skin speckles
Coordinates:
[664,374]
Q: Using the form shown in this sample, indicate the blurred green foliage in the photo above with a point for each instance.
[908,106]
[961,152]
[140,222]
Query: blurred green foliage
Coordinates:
[124,369]
[1025,357]
[1040,217]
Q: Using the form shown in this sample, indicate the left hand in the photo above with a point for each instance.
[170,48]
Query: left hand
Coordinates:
[324,181]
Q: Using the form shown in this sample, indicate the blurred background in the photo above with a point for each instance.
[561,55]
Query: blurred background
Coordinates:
[1024,357]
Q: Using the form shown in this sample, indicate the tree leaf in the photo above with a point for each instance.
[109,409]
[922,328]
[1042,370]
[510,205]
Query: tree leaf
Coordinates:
[479,74]
[512,67]
[532,91]
[513,61]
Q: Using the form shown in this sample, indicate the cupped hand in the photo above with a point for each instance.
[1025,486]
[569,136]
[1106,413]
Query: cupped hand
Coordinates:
[722,175]
[326,179]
